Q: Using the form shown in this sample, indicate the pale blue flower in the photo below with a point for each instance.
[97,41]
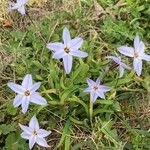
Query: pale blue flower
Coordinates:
[122,65]
[67,49]
[26,93]
[137,53]
[19,5]
[34,134]
[96,90]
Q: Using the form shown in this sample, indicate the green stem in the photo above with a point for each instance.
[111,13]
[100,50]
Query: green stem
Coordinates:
[91,111]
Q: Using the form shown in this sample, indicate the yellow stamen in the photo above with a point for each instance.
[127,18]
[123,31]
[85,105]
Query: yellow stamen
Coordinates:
[95,88]
[67,50]
[34,133]
[136,55]
[27,93]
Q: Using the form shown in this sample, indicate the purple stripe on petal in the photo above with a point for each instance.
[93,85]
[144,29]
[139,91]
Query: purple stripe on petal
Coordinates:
[34,87]
[104,88]
[15,87]
[38,99]
[127,51]
[121,69]
[88,89]
[93,96]
[76,43]
[34,123]
[25,104]
[55,46]
[115,59]
[22,10]
[27,81]
[25,129]
[137,64]
[90,82]
[141,48]
[42,142]
[146,57]
[43,133]
[97,82]
[67,60]
[66,37]
[136,43]
[32,141]
[18,100]
[125,66]
[25,135]
[100,94]
[78,53]
[59,54]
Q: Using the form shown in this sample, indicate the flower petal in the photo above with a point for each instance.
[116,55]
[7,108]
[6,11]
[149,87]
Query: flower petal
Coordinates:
[78,53]
[25,129]
[141,47]
[137,64]
[35,86]
[42,142]
[18,100]
[34,123]
[89,89]
[115,59]
[55,46]
[25,135]
[93,96]
[27,81]
[15,87]
[124,66]
[100,94]
[38,99]
[23,2]
[121,69]
[25,104]
[59,54]
[146,57]
[43,133]
[97,82]
[32,141]
[66,37]
[136,43]
[76,43]
[22,10]
[127,51]
[104,88]
[67,60]
[90,82]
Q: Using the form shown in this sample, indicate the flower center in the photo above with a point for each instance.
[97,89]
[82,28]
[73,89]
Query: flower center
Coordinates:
[136,55]
[27,93]
[34,133]
[95,88]
[67,50]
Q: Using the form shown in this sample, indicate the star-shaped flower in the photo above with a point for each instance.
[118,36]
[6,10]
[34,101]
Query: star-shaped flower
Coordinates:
[137,53]
[34,134]
[96,90]
[66,50]
[19,5]
[122,65]
[26,93]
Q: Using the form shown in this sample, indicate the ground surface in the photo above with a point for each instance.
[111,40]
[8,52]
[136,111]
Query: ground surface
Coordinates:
[122,121]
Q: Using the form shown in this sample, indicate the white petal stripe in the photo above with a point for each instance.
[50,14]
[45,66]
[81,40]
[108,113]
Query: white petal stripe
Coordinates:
[18,100]
[34,123]
[67,63]
[42,142]
[15,87]
[38,99]
[78,53]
